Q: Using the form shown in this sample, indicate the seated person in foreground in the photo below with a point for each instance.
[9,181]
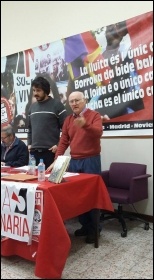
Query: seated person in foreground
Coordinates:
[14,151]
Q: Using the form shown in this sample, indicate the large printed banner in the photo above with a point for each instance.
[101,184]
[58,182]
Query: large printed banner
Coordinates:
[112,66]
[17,210]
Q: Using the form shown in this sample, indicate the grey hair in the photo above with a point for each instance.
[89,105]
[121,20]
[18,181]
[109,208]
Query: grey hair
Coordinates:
[8,129]
[80,92]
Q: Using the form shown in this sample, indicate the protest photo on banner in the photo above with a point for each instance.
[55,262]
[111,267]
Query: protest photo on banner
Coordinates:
[112,66]
[38,213]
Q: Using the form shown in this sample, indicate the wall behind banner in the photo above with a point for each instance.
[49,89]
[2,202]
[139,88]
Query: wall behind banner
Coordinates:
[30,24]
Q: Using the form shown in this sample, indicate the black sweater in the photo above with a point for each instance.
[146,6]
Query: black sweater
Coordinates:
[45,121]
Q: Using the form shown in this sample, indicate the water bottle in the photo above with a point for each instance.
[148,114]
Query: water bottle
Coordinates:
[41,171]
[32,165]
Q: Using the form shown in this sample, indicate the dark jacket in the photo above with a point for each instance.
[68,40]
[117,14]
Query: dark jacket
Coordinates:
[17,155]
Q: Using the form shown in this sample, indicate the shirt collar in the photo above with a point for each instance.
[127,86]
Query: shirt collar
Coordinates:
[15,142]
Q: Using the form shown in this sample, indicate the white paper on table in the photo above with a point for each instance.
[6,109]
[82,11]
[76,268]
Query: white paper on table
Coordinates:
[3,174]
[66,174]
[25,167]
[69,174]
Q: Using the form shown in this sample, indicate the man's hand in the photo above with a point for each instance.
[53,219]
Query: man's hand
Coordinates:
[53,149]
[29,147]
[50,167]
[80,121]
[105,118]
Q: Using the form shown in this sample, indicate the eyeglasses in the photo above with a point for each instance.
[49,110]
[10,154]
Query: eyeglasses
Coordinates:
[76,101]
[3,138]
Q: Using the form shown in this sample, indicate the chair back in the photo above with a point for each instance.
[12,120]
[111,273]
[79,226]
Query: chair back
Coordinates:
[121,173]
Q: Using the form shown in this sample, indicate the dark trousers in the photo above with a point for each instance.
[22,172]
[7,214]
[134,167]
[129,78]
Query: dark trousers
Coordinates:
[46,155]
[91,165]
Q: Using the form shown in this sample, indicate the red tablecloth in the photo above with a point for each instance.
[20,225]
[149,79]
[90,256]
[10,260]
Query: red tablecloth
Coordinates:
[78,194]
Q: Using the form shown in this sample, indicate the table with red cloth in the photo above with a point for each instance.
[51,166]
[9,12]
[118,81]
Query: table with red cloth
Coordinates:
[76,195]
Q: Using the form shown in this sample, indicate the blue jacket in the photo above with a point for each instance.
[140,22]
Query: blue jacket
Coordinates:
[17,155]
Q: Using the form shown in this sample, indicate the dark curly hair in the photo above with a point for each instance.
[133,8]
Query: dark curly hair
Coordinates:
[42,83]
